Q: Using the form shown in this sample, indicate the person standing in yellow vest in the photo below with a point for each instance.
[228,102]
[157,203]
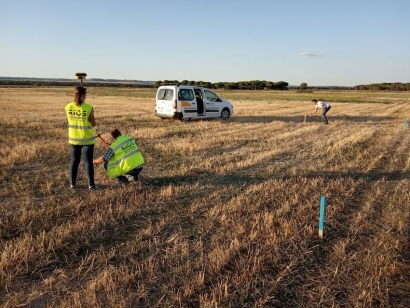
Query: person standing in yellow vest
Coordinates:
[81,122]
[123,159]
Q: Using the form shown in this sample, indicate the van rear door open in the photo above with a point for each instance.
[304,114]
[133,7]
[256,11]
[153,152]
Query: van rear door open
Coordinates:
[165,101]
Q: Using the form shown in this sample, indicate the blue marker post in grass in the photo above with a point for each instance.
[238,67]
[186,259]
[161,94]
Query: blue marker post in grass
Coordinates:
[406,120]
[322,215]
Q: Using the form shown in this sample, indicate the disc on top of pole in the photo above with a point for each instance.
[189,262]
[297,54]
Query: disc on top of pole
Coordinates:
[81,76]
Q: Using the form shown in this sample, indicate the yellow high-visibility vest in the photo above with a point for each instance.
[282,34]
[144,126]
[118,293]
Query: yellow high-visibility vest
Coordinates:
[80,129]
[126,157]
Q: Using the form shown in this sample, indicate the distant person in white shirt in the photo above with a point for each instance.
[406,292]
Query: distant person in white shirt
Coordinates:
[325,108]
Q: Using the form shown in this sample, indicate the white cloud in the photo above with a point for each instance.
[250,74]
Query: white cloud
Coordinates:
[307,54]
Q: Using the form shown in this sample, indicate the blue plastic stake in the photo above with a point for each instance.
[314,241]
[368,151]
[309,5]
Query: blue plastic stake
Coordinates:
[322,215]
[406,120]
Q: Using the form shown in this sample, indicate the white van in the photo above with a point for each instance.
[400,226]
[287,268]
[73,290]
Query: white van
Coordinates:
[190,102]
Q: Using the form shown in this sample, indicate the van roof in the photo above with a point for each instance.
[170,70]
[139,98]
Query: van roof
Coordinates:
[181,85]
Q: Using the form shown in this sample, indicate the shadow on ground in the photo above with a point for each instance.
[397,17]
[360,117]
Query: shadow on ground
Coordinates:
[301,118]
[240,179]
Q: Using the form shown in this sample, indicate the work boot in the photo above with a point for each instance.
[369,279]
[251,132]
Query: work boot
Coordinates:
[120,184]
[141,179]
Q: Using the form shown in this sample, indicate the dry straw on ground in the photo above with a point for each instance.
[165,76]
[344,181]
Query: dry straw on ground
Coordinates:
[230,215]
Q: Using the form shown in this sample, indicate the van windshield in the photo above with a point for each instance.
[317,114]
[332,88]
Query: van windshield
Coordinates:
[165,94]
[211,96]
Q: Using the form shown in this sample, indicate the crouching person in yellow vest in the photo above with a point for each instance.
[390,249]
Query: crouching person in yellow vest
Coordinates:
[123,160]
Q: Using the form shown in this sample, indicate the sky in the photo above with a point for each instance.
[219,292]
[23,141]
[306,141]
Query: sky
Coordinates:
[318,42]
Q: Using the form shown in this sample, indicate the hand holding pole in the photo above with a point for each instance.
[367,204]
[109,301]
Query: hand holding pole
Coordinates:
[103,141]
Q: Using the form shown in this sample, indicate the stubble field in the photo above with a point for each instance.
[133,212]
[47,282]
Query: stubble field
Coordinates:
[230,215]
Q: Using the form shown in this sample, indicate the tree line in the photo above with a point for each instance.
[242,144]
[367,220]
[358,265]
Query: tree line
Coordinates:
[36,83]
[385,86]
[241,85]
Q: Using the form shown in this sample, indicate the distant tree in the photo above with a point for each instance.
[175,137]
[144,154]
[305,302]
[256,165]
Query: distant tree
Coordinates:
[253,84]
[234,85]
[184,82]
[261,84]
[220,85]
[257,84]
[269,85]
[231,85]
[281,85]
[374,87]
[400,86]
[303,86]
[208,84]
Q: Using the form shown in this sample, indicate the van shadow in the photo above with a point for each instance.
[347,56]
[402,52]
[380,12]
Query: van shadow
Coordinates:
[240,179]
[368,176]
[217,180]
[301,119]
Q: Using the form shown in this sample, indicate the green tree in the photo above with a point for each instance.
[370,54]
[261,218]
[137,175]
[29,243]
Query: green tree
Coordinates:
[303,86]
[269,85]
[208,84]
[221,85]
[281,85]
[253,84]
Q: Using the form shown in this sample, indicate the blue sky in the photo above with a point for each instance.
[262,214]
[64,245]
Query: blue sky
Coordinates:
[320,42]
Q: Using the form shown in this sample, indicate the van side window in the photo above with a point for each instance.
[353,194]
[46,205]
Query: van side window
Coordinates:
[211,96]
[165,94]
[185,94]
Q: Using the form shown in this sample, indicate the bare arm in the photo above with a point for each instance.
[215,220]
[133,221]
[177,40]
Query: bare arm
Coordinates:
[99,160]
[315,111]
[91,118]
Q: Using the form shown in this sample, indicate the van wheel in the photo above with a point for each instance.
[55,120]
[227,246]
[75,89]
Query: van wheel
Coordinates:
[225,114]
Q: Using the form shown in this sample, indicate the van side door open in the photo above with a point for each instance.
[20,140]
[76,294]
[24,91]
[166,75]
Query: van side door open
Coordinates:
[200,102]
[186,100]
